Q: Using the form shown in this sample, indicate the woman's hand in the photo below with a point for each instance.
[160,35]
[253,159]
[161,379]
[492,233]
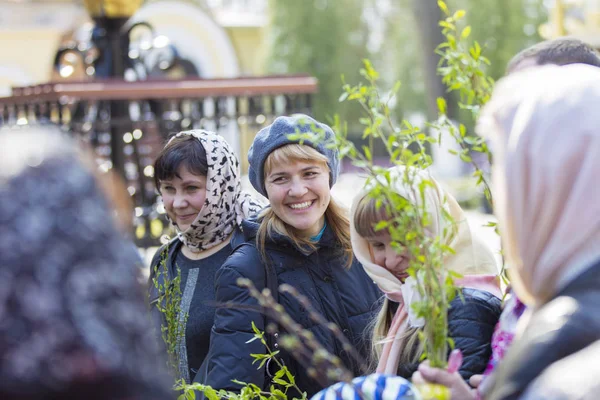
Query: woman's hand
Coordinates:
[459,390]
[475,380]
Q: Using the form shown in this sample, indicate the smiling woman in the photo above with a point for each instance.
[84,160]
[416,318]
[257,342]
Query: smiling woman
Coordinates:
[297,184]
[197,176]
[303,239]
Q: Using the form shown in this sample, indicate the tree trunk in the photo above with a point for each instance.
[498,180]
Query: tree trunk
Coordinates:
[427,15]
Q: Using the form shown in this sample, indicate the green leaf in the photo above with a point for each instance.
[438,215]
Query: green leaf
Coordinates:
[255,329]
[466,32]
[210,394]
[343,97]
[441,103]
[381,225]
[367,152]
[442,5]
[451,343]
[290,377]
[471,140]
[280,381]
[459,14]
[280,373]
[466,158]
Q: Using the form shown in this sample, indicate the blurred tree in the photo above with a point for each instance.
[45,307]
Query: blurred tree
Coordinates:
[502,27]
[430,37]
[328,38]
[324,38]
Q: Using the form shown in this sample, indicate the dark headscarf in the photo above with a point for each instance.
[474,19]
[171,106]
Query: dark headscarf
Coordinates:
[73,321]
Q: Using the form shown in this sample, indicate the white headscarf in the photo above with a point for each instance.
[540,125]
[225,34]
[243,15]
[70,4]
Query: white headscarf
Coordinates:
[226,205]
[471,257]
[546,126]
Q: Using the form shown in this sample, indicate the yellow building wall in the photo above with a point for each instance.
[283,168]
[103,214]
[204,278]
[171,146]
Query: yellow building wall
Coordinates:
[31,51]
[251,48]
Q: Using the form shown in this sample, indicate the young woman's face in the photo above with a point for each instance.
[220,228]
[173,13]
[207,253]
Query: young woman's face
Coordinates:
[299,194]
[183,197]
[387,257]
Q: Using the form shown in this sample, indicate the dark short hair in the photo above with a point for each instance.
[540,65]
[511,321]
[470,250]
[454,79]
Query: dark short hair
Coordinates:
[182,151]
[562,51]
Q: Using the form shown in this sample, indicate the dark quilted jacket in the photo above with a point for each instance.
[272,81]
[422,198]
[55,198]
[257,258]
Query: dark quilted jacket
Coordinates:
[345,297]
[471,325]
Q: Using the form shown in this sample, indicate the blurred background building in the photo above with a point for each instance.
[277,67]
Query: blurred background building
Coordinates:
[214,38]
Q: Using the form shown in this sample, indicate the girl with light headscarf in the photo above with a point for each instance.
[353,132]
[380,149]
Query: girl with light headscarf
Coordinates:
[198,177]
[395,336]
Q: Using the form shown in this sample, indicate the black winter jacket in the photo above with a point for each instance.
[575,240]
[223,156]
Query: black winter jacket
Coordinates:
[471,323]
[563,326]
[198,301]
[346,297]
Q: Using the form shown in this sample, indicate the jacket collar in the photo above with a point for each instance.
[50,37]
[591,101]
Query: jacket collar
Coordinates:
[250,229]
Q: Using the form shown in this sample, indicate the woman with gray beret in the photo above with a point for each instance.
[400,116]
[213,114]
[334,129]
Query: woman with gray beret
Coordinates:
[302,239]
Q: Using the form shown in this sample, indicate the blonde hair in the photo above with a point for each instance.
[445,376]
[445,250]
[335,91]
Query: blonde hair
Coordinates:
[412,347]
[366,216]
[335,215]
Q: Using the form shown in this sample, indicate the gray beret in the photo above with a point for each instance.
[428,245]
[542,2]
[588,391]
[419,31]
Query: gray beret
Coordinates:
[275,136]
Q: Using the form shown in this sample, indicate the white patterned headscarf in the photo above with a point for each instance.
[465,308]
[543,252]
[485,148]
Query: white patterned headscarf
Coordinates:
[226,205]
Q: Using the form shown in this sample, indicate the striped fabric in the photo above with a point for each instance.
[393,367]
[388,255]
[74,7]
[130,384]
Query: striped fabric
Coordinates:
[371,387]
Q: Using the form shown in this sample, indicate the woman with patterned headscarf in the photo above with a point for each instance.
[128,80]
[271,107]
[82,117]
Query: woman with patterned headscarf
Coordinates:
[73,320]
[198,177]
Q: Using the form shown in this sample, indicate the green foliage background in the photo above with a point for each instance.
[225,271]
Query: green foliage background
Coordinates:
[328,38]
[324,38]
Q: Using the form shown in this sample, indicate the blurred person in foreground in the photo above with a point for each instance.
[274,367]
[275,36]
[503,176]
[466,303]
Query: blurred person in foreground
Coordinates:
[544,122]
[73,320]
[561,51]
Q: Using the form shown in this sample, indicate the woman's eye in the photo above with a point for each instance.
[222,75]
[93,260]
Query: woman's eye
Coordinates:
[168,189]
[311,173]
[279,179]
[192,188]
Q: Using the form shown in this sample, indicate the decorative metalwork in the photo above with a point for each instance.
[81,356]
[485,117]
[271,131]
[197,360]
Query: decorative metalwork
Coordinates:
[235,108]
[125,116]
[112,8]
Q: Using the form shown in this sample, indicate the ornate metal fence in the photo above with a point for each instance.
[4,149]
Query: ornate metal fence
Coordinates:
[126,123]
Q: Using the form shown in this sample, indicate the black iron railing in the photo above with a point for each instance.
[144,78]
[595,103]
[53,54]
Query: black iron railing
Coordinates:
[126,123]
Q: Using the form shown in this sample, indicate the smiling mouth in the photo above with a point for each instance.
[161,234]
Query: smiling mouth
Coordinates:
[301,206]
[188,216]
